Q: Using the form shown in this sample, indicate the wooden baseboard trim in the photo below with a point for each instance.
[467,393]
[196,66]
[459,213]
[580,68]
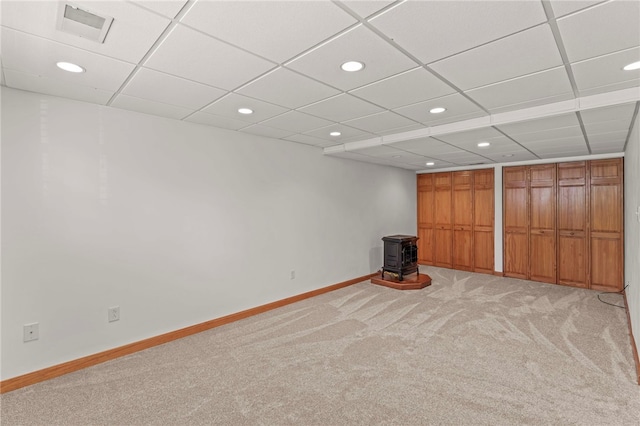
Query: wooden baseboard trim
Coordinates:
[498,273]
[634,348]
[110,354]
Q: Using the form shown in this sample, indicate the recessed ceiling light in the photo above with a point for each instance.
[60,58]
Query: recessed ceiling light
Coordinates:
[352,66]
[483,144]
[508,155]
[633,66]
[430,163]
[245,110]
[397,156]
[437,110]
[335,134]
[68,66]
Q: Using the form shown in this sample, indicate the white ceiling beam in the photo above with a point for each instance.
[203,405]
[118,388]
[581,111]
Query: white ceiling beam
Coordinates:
[548,110]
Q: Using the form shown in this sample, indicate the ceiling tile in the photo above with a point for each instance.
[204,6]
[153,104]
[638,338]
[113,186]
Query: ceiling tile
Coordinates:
[564,7]
[296,122]
[181,54]
[550,134]
[346,133]
[502,59]
[605,73]
[384,151]
[607,123]
[366,8]
[359,44]
[287,88]
[175,90]
[610,138]
[559,143]
[540,124]
[216,121]
[422,29]
[35,55]
[622,112]
[351,156]
[469,140]
[457,108]
[270,132]
[562,152]
[392,131]
[310,140]
[425,146]
[471,137]
[150,107]
[341,108]
[463,158]
[228,106]
[169,8]
[610,148]
[277,30]
[407,88]
[380,122]
[132,33]
[606,28]
[524,92]
[56,87]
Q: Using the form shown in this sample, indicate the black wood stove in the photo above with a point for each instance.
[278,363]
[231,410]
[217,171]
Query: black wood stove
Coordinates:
[400,255]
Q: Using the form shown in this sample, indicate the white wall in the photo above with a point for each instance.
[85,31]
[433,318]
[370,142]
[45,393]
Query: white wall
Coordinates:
[632,227]
[176,223]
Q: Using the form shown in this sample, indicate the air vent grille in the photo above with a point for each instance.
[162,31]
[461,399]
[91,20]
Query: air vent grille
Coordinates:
[82,23]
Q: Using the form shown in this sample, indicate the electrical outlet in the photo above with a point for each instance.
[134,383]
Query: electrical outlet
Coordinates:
[114,313]
[292,275]
[31,332]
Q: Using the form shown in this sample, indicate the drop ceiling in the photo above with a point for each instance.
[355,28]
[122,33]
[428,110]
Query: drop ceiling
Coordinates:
[536,79]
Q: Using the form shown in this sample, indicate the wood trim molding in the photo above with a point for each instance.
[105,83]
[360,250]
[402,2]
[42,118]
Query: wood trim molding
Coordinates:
[110,354]
[634,348]
[498,273]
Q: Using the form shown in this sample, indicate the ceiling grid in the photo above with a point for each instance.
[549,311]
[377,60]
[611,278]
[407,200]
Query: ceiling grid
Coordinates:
[536,79]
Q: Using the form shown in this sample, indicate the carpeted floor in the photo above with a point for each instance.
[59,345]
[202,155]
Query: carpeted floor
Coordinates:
[470,349]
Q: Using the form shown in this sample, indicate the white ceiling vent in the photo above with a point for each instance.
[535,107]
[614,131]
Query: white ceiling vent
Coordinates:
[76,21]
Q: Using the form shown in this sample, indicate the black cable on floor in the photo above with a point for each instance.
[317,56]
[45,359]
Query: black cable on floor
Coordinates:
[613,292]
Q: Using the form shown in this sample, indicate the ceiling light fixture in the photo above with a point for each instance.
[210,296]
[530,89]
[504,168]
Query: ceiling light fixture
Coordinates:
[352,66]
[437,110]
[483,144]
[430,163]
[508,155]
[335,134]
[632,67]
[68,66]
[245,110]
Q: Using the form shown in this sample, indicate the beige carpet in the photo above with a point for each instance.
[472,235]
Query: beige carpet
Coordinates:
[470,349]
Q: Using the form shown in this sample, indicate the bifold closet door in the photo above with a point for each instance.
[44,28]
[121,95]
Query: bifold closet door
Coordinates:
[425,219]
[483,219]
[573,253]
[443,220]
[516,222]
[542,223]
[463,220]
[606,233]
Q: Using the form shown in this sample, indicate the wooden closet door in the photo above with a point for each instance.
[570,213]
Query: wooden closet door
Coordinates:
[463,220]
[606,233]
[483,221]
[542,228]
[443,220]
[515,222]
[425,219]
[573,253]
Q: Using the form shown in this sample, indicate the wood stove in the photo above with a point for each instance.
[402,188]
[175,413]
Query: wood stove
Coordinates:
[400,255]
